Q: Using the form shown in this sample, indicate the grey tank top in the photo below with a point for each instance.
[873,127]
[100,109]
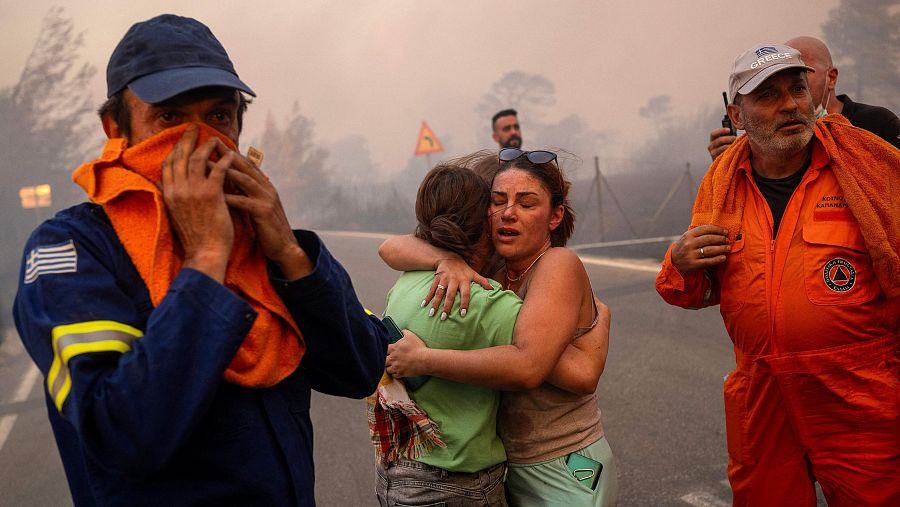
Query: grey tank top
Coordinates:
[547,422]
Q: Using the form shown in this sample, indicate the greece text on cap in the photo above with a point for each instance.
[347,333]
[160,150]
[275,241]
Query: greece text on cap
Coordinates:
[769,58]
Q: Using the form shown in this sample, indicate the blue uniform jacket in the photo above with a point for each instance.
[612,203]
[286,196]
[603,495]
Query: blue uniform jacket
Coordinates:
[135,394]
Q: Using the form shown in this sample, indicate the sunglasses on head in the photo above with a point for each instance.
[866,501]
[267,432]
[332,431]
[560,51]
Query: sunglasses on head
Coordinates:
[535,157]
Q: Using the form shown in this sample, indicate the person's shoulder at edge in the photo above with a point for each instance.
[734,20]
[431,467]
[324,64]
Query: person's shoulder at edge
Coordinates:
[86,223]
[560,267]
[879,120]
[79,213]
[560,259]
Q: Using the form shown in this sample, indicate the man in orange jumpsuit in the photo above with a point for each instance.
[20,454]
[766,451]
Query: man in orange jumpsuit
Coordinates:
[781,242]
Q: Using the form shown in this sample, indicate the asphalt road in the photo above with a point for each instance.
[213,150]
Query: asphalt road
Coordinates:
[661,396]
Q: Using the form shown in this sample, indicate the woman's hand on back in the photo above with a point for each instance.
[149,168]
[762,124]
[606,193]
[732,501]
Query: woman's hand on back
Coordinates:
[452,275]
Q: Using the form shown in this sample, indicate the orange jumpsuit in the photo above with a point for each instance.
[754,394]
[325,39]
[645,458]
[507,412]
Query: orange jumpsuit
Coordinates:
[815,393]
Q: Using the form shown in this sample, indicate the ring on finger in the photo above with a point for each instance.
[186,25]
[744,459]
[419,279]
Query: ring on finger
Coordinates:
[441,287]
[702,255]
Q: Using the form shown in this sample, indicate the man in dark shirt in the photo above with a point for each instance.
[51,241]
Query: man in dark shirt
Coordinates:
[822,83]
[505,127]
[876,119]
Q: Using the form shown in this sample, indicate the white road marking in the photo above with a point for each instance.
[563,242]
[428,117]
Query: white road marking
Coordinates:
[6,425]
[26,384]
[8,421]
[704,499]
[626,242]
[10,345]
[357,234]
[646,266]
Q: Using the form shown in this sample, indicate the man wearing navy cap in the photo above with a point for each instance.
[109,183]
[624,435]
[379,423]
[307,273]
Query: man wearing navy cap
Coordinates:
[179,322]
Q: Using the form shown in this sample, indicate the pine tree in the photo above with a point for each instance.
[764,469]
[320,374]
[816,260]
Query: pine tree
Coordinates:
[864,39]
[45,131]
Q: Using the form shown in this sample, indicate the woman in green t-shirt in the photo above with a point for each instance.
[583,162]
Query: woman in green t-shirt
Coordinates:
[450,214]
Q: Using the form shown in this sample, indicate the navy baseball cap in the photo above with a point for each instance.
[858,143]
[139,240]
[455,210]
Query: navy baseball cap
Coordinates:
[167,55]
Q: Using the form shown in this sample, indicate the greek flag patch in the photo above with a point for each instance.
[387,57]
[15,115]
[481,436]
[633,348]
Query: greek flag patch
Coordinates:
[53,259]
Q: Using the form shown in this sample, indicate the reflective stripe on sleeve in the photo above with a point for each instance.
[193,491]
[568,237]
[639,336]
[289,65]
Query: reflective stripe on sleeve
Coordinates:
[71,340]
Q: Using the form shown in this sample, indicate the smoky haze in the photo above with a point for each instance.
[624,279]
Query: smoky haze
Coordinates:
[343,87]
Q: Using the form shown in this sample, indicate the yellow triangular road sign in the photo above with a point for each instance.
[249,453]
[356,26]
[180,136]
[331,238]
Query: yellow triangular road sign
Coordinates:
[428,142]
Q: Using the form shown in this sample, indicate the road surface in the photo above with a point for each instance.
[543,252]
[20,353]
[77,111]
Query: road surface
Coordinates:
[661,396]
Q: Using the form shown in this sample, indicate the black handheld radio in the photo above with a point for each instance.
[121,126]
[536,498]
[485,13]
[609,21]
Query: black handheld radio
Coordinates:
[726,121]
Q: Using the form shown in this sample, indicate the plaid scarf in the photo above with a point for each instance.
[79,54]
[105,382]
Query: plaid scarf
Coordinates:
[397,426]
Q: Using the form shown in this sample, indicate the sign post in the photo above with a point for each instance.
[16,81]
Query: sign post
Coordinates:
[428,143]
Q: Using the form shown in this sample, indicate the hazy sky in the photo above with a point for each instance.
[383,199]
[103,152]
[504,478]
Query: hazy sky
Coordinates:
[378,68]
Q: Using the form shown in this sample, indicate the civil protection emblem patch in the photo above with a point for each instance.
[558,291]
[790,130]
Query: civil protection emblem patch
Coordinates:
[839,275]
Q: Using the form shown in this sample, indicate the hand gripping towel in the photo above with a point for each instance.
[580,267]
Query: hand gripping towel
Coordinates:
[123,180]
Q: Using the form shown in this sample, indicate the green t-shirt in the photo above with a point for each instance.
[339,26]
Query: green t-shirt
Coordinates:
[466,414]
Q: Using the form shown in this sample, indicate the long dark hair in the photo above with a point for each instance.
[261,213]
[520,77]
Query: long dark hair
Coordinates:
[451,209]
[551,177]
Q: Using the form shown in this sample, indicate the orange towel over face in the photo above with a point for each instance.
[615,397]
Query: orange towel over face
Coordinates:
[866,167]
[123,180]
